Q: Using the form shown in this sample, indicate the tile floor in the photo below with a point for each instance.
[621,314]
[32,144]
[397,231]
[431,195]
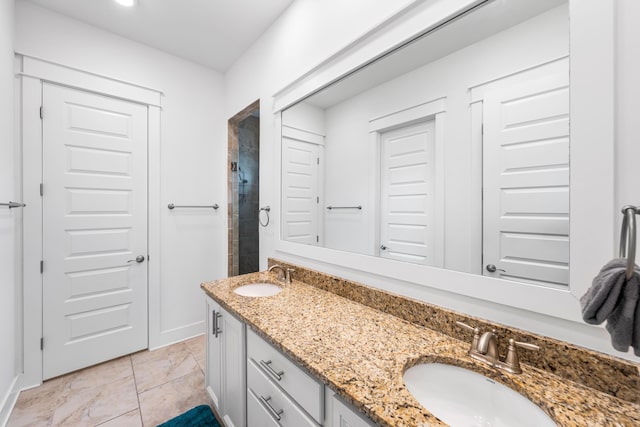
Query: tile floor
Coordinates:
[142,389]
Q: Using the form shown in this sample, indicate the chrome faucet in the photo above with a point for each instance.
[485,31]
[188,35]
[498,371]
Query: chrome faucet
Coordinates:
[285,273]
[485,349]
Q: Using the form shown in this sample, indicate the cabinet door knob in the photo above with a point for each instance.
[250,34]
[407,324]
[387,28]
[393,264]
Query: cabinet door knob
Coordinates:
[492,269]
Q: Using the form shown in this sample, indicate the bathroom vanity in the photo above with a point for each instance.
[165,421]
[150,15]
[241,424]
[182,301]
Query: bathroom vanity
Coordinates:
[343,348]
[253,383]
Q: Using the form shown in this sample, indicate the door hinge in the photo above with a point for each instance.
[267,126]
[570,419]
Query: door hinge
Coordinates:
[318,160]
[317,239]
[41,189]
[41,343]
[317,199]
[41,114]
[41,266]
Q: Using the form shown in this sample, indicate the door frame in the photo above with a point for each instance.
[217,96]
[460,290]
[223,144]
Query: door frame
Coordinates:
[32,72]
[232,181]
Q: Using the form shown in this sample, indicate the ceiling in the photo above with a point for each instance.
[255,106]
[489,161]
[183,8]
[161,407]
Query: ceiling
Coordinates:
[213,33]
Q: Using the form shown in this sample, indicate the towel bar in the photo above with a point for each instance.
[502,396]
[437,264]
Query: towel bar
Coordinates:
[266,209]
[172,206]
[628,230]
[345,207]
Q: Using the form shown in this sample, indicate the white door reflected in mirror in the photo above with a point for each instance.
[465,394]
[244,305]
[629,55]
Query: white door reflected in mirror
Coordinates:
[407,193]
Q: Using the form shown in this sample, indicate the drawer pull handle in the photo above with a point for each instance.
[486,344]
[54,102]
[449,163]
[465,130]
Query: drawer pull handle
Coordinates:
[275,413]
[216,328]
[267,367]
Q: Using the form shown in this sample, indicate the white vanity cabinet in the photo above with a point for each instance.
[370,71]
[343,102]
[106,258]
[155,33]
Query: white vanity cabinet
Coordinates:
[279,390]
[226,364]
[343,415]
[252,384]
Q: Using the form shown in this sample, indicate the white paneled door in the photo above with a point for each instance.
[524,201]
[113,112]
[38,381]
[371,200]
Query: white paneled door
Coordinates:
[526,182]
[94,229]
[407,196]
[300,190]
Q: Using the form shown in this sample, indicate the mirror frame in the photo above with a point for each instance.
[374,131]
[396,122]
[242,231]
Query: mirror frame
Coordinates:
[592,198]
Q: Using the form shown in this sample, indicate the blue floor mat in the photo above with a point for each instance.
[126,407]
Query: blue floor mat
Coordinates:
[200,416]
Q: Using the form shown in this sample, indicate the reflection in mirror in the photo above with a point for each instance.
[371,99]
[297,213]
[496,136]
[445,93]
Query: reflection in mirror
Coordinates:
[451,152]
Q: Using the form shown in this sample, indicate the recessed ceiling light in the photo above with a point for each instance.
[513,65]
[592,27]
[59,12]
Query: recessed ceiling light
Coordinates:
[127,3]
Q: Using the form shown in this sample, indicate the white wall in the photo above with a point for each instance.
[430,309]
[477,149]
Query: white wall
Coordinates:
[305,117]
[278,59]
[9,219]
[628,105]
[193,154]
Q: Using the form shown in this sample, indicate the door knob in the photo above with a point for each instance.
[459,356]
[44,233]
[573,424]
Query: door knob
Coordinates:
[492,269]
[139,259]
[383,248]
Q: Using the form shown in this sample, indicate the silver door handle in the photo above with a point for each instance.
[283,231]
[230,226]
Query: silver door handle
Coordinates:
[492,269]
[139,259]
[12,205]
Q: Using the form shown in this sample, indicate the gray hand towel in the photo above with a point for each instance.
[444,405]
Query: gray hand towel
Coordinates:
[615,299]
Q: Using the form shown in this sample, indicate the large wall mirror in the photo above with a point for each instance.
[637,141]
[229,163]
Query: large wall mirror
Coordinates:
[450,152]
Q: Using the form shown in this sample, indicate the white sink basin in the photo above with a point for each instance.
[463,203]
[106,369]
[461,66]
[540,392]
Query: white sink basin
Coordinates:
[258,290]
[463,398]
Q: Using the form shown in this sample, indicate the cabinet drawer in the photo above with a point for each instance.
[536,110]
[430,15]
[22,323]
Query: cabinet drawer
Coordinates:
[257,415]
[273,403]
[303,388]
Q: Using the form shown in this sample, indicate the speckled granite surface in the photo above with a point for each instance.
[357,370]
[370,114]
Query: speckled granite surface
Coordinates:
[592,369]
[362,352]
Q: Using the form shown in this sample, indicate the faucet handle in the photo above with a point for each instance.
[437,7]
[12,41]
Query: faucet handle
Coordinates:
[512,361]
[464,325]
[476,335]
[287,274]
[526,345]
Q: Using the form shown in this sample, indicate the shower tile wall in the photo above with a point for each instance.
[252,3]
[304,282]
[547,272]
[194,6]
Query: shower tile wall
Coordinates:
[248,181]
[232,194]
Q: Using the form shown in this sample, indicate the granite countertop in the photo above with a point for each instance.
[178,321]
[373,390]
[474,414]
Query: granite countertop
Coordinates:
[361,353]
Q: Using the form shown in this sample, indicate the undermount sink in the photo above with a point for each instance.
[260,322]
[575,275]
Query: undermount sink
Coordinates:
[461,397]
[258,290]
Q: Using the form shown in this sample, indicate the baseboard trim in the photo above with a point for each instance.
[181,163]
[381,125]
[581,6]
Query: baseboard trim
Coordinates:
[9,401]
[176,335]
